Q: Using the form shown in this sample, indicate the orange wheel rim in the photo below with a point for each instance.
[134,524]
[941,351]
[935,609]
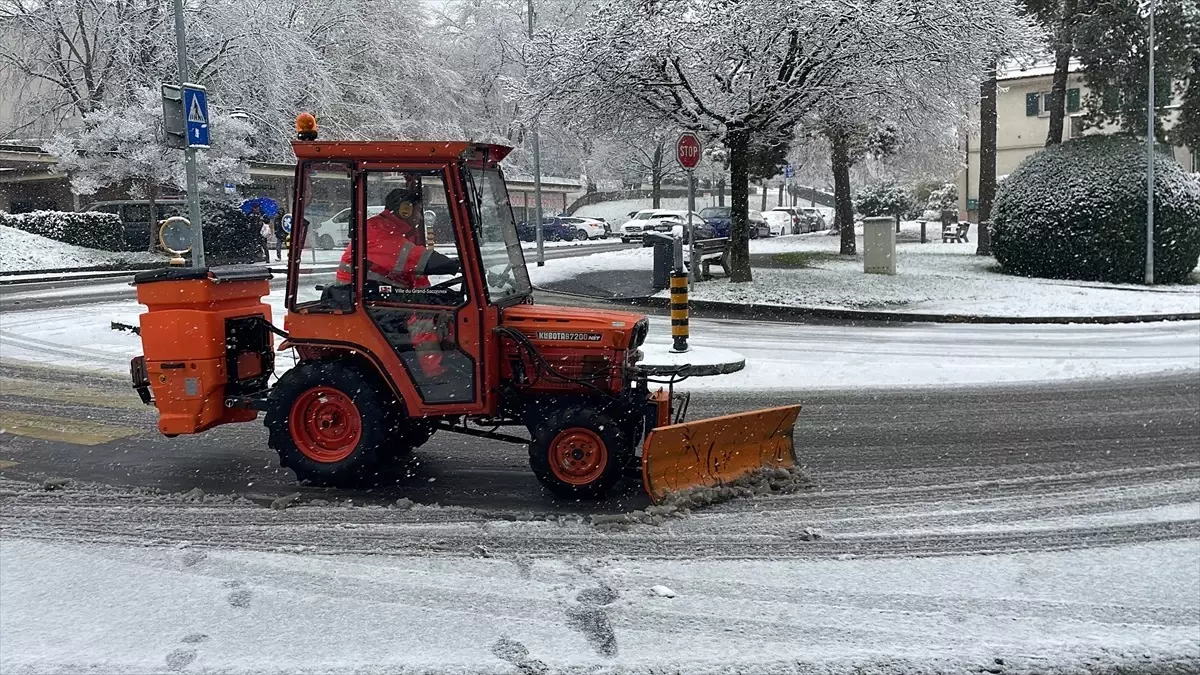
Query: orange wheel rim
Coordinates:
[325,424]
[578,456]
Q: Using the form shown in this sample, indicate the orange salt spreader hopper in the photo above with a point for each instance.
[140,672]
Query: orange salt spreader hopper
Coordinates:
[398,339]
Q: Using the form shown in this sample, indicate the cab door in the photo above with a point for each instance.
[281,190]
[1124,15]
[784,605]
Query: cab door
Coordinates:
[428,313]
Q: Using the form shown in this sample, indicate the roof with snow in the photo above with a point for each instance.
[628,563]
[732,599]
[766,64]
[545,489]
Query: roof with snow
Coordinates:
[1015,71]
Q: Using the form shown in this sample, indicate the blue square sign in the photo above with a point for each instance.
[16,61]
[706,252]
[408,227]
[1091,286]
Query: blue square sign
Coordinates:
[195,110]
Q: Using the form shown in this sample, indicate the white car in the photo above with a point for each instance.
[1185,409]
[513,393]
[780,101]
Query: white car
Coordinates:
[634,227]
[778,222]
[585,228]
[334,232]
[666,220]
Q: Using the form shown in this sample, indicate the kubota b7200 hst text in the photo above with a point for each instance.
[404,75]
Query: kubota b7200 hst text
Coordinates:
[420,319]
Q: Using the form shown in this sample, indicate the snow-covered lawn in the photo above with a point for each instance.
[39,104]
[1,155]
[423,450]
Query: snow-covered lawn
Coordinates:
[21,251]
[931,278]
[778,355]
[617,262]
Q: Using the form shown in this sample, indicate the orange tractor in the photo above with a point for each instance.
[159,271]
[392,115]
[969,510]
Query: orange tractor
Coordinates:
[380,365]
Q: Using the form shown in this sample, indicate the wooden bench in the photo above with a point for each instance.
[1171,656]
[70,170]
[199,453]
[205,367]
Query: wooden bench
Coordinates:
[712,252]
[955,232]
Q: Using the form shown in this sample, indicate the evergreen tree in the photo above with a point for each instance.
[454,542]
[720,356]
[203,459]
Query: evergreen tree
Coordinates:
[1112,44]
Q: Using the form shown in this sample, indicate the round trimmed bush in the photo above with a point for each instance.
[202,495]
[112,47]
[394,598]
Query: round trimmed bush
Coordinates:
[1078,211]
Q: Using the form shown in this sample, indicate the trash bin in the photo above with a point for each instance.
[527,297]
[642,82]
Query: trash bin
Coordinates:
[664,258]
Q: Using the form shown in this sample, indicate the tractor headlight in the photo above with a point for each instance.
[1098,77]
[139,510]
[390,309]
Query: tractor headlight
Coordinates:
[640,330]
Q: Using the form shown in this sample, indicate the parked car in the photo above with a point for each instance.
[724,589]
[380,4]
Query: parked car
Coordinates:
[721,220]
[553,229]
[135,217]
[804,219]
[758,225]
[719,217]
[334,231]
[633,228]
[673,222]
[816,215]
[779,223]
[585,228]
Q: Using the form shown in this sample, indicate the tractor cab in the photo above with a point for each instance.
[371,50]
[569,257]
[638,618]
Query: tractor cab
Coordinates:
[409,312]
[415,284]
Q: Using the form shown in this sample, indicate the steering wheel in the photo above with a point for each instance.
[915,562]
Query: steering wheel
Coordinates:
[504,277]
[449,282]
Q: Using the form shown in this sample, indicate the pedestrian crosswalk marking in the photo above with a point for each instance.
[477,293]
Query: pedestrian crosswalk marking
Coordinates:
[47,428]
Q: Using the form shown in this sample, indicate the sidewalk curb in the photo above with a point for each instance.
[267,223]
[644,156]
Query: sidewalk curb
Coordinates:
[782,313]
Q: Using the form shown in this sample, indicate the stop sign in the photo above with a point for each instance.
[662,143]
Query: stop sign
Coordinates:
[687,150]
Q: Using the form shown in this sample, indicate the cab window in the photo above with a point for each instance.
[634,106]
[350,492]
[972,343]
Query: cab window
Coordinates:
[410,252]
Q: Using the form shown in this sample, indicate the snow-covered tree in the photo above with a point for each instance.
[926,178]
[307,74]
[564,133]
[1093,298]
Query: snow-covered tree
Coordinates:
[734,71]
[123,145]
[884,199]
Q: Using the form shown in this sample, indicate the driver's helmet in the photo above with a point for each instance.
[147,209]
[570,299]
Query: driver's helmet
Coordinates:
[397,198]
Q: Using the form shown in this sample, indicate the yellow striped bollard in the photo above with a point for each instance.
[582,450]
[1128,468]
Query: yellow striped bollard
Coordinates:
[679,310]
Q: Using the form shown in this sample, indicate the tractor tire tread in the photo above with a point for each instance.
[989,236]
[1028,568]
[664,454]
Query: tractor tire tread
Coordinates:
[377,411]
[609,428]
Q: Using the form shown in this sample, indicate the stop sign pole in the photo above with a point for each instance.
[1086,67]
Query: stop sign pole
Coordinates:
[688,151]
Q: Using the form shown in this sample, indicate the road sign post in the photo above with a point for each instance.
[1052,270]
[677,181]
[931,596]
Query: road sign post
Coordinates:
[688,151]
[195,114]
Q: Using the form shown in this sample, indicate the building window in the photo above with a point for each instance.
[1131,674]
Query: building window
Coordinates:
[1038,103]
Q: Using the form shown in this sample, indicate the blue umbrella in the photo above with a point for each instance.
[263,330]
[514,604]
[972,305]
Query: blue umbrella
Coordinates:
[266,205]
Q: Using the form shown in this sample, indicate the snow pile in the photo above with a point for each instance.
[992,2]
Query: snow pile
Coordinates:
[761,483]
[931,278]
[22,251]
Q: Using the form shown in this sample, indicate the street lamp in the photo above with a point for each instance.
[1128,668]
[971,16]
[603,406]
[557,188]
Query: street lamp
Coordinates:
[537,168]
[1151,5]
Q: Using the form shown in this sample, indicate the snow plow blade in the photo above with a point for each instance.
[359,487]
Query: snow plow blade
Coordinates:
[718,450]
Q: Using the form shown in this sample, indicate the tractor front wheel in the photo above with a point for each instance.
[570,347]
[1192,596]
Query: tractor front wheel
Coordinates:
[578,452]
[330,424]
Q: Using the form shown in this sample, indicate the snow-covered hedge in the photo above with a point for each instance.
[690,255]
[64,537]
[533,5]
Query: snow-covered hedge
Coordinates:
[884,199]
[230,235]
[88,229]
[1078,211]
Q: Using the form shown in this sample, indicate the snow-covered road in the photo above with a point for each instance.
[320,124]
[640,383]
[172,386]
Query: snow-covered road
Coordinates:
[109,581]
[778,355]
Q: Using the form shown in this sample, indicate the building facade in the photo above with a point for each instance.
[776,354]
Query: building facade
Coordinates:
[29,181]
[1022,124]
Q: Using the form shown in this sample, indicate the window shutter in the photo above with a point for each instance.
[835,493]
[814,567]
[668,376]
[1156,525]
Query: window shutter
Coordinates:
[1031,105]
[1072,100]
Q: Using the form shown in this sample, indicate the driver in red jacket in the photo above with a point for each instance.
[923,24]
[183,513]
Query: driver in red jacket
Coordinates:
[397,257]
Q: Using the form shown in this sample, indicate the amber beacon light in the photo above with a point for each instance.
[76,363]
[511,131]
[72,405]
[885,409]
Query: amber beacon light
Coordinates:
[306,127]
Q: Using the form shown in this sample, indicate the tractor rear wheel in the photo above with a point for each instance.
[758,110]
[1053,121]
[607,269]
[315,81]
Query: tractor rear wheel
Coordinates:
[330,424]
[578,452]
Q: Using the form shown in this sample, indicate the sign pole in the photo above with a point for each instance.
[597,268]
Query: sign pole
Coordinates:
[189,153]
[688,151]
[694,272]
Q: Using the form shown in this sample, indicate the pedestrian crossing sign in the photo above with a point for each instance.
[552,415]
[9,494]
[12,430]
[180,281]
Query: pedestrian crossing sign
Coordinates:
[195,102]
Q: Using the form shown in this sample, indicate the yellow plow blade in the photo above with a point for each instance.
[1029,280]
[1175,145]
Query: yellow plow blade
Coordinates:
[718,450]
